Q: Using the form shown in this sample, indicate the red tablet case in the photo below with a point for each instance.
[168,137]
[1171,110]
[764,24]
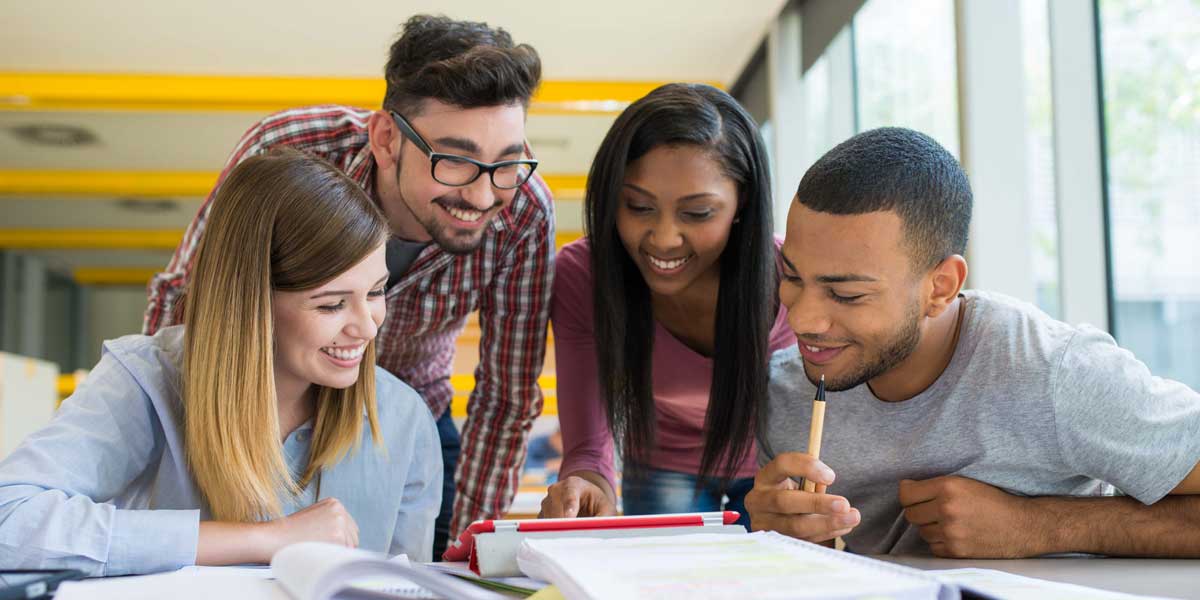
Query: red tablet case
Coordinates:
[463,548]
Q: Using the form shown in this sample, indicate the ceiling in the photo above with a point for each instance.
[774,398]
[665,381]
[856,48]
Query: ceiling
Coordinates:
[600,44]
[617,40]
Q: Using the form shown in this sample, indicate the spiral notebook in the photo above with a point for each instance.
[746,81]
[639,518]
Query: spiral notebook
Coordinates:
[756,565]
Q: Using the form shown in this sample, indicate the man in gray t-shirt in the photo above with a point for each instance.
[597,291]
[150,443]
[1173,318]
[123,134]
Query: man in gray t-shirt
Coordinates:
[957,423]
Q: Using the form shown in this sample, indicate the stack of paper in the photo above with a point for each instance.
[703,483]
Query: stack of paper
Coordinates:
[759,565]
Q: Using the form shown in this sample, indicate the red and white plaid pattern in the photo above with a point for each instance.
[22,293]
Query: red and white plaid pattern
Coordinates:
[508,279]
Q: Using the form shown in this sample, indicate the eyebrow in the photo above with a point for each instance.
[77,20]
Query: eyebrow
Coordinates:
[469,146]
[457,143]
[696,196]
[342,292]
[840,278]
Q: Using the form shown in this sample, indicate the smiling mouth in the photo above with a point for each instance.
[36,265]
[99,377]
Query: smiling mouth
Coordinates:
[819,354]
[468,215]
[343,353]
[668,265]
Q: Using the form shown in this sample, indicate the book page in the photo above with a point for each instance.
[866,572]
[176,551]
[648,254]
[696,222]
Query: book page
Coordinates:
[316,571]
[998,584]
[758,565]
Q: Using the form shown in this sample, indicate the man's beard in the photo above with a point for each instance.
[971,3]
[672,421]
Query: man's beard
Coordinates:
[899,346]
[445,236]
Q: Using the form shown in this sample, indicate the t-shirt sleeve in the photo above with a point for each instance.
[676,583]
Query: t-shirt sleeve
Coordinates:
[1119,423]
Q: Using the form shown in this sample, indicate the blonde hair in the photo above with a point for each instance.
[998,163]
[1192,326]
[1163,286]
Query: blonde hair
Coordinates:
[284,221]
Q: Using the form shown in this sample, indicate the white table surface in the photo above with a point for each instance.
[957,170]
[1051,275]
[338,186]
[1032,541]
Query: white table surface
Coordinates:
[1171,578]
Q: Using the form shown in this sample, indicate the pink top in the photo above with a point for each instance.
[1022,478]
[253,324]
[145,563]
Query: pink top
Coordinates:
[681,379]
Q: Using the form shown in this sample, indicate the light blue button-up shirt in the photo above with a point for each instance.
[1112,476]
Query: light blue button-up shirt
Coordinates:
[105,487]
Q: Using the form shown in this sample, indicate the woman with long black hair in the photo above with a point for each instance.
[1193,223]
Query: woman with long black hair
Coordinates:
[666,314]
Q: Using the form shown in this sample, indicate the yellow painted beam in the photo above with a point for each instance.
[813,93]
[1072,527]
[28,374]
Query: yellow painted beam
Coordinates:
[159,184]
[466,383]
[562,238]
[458,406]
[567,186]
[131,239]
[91,239]
[463,384]
[113,275]
[208,93]
[107,184]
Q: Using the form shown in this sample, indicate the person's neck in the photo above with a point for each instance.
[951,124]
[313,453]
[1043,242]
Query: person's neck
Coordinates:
[693,303]
[691,315]
[295,403]
[927,362]
[401,219]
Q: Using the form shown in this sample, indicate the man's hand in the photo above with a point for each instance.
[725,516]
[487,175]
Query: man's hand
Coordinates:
[776,503]
[965,518]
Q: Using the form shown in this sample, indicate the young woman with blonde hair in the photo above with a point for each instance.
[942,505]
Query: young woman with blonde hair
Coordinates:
[253,425]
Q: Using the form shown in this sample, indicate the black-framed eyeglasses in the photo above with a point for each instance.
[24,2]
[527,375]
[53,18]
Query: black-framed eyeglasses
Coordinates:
[457,171]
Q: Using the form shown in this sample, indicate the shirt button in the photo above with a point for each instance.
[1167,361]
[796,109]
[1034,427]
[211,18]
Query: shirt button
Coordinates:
[302,436]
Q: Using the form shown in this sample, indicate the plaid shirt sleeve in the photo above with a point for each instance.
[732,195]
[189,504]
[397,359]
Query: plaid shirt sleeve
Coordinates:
[167,287]
[506,398]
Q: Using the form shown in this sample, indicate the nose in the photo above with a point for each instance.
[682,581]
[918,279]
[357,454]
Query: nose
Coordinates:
[806,312]
[666,234]
[363,324]
[480,194]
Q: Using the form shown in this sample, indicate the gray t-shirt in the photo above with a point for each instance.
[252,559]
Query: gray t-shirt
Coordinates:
[1028,404]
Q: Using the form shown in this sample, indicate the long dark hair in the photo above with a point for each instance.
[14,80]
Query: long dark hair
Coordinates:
[704,117]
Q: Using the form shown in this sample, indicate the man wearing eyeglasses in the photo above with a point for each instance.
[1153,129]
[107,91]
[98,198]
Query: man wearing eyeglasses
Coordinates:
[473,229]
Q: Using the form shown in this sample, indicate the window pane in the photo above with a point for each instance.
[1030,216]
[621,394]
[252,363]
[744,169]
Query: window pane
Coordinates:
[1150,53]
[1039,155]
[907,67]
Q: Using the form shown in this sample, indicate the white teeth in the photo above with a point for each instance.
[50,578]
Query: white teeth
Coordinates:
[813,348]
[469,216]
[345,353]
[667,265]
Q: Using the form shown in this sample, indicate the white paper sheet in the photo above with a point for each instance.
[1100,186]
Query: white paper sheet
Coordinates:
[701,566]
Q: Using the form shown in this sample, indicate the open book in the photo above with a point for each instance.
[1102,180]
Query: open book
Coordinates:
[316,571]
[306,571]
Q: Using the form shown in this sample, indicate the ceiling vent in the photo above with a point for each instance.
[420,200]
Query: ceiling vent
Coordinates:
[147,206]
[55,135]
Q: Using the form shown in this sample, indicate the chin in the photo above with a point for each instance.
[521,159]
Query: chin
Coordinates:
[457,244]
[665,290]
[337,382]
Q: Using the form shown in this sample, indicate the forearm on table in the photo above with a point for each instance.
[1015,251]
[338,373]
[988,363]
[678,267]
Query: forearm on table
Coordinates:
[224,543]
[1117,526]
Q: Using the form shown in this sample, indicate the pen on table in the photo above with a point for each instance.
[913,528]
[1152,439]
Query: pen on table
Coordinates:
[814,434]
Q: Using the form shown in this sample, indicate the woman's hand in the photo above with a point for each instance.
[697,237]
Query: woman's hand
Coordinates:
[579,495]
[224,543]
[326,521]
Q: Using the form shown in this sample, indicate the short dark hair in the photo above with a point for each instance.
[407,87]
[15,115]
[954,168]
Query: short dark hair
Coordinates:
[901,170]
[704,117]
[463,63]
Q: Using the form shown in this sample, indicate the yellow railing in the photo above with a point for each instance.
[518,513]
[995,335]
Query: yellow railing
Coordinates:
[462,384]
[169,184]
[209,93]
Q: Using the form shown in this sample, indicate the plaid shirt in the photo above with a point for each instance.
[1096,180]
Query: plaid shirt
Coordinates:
[508,279]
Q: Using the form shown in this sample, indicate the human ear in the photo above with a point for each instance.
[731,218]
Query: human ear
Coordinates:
[946,281]
[383,139]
